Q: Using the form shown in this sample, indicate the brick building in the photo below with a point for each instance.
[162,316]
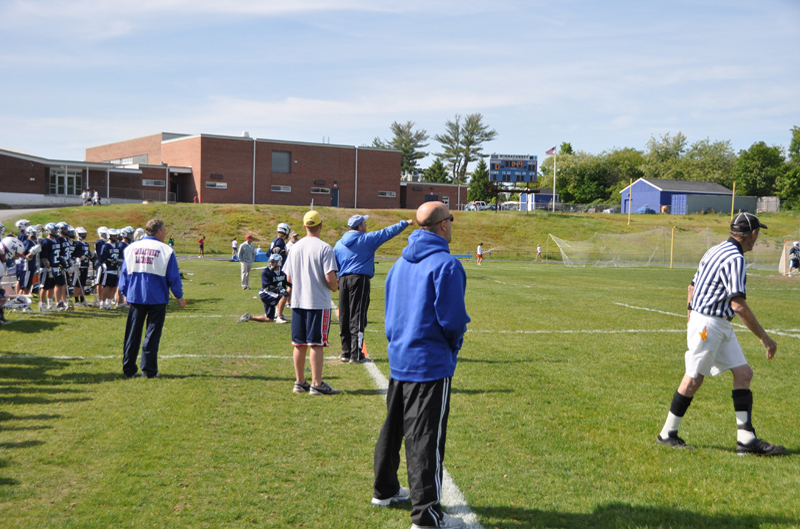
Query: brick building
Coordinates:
[413,194]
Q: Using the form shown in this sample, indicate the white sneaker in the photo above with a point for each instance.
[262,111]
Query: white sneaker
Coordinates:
[402,495]
[245,317]
[281,319]
[448,522]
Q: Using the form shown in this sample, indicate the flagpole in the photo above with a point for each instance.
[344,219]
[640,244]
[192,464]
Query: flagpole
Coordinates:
[555,159]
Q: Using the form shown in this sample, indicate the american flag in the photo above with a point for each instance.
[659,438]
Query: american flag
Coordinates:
[551,151]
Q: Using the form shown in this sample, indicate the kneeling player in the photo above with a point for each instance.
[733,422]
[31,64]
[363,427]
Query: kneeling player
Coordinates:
[273,290]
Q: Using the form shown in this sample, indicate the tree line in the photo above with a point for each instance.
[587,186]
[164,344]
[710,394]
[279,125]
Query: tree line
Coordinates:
[761,170]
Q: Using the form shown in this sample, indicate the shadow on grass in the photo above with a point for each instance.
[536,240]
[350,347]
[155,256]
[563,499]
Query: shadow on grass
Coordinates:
[222,377]
[491,361]
[8,481]
[617,514]
[5,416]
[21,444]
[33,326]
[480,391]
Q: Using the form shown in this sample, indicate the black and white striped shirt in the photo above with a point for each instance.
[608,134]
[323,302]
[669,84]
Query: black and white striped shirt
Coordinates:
[722,275]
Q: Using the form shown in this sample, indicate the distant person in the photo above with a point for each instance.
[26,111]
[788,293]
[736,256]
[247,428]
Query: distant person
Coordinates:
[170,242]
[425,324]
[717,294]
[355,256]
[195,199]
[794,258]
[311,270]
[538,253]
[85,197]
[234,247]
[96,198]
[201,241]
[291,242]
[149,272]
[247,256]
[480,253]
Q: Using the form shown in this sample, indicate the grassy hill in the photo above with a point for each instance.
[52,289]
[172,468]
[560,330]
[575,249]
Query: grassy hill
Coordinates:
[509,232]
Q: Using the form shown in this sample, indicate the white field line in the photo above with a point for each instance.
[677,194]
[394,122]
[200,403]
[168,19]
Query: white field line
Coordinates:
[452,498]
[791,333]
[119,356]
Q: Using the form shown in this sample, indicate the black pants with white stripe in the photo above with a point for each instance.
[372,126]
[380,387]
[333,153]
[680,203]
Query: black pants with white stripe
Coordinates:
[353,306]
[417,411]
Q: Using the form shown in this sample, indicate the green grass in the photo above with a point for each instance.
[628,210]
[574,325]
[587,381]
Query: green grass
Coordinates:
[550,426]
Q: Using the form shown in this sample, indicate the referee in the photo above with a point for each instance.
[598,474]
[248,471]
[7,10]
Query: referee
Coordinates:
[717,294]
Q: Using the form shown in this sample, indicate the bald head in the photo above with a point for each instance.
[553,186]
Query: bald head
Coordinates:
[436,218]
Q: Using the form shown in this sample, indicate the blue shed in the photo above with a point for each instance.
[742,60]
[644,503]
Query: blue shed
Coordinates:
[655,193]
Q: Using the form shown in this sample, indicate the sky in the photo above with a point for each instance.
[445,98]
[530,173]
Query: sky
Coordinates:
[600,75]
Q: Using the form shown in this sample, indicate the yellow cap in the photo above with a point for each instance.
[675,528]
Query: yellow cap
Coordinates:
[311,219]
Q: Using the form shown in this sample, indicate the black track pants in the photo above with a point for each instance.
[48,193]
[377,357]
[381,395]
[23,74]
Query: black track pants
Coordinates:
[353,306]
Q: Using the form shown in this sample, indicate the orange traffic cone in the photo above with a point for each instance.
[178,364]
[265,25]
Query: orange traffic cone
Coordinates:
[364,347]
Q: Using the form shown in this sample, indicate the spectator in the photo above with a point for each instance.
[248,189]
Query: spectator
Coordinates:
[247,256]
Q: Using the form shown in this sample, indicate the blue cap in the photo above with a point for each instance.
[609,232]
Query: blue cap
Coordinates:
[354,221]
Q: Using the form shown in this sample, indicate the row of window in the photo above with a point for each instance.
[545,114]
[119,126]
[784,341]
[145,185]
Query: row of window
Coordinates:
[288,189]
[66,182]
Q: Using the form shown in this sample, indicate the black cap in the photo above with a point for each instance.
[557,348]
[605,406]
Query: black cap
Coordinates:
[745,223]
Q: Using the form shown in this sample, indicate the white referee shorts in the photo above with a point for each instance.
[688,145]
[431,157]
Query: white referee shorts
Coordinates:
[713,347]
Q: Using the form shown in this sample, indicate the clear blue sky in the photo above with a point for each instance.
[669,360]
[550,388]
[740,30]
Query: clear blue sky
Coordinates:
[79,73]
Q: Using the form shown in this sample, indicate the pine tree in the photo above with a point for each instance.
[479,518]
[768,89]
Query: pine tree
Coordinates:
[479,183]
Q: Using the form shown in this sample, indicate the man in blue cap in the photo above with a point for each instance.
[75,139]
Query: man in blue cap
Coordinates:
[355,254]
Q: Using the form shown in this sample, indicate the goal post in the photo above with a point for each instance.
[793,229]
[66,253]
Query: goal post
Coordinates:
[784,266]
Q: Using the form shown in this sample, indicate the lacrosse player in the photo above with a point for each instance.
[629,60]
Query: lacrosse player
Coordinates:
[273,289]
[99,271]
[82,255]
[50,277]
[111,261]
[29,264]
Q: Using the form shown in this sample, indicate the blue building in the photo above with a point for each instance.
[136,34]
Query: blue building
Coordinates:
[682,197]
[512,168]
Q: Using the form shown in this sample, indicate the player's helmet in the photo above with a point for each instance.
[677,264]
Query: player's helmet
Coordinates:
[2,229]
[138,234]
[129,232]
[795,243]
[284,228]
[31,231]
[102,232]
[61,226]
[21,224]
[275,257]
[70,231]
[10,247]
[112,232]
[81,231]
[51,228]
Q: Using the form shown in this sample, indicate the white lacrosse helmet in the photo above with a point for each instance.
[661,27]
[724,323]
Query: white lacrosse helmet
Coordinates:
[21,224]
[112,232]
[795,243]
[138,234]
[275,257]
[31,231]
[51,228]
[81,231]
[284,228]
[61,225]
[102,232]
[2,229]
[11,247]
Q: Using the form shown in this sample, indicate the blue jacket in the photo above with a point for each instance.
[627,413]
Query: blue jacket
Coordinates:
[149,272]
[355,251]
[425,313]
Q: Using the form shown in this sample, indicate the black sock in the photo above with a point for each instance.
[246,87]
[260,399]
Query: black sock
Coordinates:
[680,404]
[743,402]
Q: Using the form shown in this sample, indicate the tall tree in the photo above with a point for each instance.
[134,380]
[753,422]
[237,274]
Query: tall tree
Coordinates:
[462,143]
[757,169]
[664,157]
[409,142]
[787,187]
[566,148]
[710,161]
[436,173]
[794,146]
[479,183]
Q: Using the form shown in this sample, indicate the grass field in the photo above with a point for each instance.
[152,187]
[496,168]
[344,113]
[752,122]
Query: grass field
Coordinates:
[562,385]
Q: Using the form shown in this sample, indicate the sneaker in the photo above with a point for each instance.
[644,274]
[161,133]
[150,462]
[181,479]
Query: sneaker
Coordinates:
[281,319]
[361,359]
[447,522]
[245,317]
[759,447]
[345,357]
[402,495]
[301,387]
[324,389]
[673,441]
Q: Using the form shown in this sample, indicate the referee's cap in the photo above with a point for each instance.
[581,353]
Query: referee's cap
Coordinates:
[745,223]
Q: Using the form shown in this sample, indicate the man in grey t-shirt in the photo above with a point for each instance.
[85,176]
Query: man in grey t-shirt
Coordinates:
[247,256]
[311,269]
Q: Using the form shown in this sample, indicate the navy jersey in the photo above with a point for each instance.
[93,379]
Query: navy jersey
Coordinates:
[22,236]
[278,246]
[794,254]
[51,250]
[110,257]
[121,245]
[66,249]
[273,281]
[80,252]
[26,264]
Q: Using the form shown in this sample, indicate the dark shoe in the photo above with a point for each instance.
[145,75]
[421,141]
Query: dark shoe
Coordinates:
[361,359]
[759,447]
[323,389]
[345,357]
[673,441]
[301,387]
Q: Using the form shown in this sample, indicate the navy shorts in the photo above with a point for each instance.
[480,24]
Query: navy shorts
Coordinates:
[269,305]
[310,327]
[25,278]
[60,279]
[109,280]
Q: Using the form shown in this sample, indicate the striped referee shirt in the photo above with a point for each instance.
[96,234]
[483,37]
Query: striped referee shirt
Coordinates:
[722,275]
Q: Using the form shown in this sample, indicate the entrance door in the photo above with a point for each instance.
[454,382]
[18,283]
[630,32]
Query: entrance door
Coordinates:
[174,187]
[335,197]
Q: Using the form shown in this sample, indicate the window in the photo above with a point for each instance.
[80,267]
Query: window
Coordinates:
[446,201]
[387,194]
[320,190]
[281,162]
[217,185]
[154,183]
[217,176]
[63,182]
[281,189]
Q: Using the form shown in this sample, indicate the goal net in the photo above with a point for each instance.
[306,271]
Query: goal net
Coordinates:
[784,267]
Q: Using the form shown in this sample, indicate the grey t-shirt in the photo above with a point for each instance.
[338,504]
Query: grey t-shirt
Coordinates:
[307,263]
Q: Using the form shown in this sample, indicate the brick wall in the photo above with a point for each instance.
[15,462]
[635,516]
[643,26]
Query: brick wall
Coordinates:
[185,153]
[416,192]
[149,145]
[23,176]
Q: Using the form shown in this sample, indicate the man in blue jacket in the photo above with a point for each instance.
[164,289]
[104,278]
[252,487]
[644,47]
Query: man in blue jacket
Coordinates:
[425,324]
[355,255]
[149,272]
